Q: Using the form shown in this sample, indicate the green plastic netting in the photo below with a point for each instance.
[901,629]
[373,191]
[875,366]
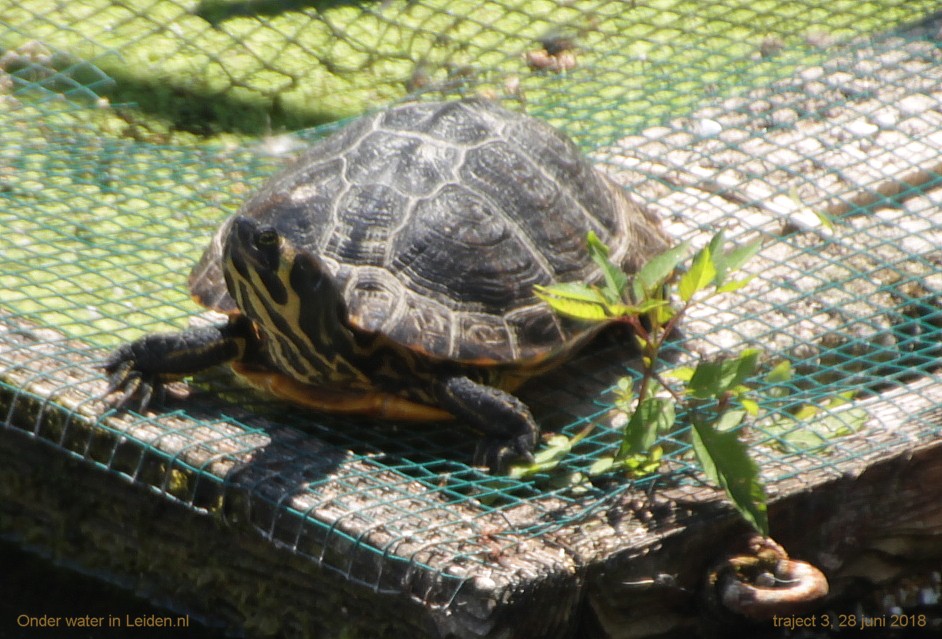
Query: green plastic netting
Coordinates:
[128,131]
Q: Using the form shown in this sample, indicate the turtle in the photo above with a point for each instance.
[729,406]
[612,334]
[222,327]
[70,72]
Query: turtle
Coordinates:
[389,271]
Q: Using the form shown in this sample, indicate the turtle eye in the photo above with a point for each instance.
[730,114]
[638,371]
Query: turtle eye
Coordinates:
[266,238]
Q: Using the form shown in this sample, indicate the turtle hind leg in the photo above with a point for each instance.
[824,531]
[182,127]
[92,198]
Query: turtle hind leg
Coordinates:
[510,432]
[140,369]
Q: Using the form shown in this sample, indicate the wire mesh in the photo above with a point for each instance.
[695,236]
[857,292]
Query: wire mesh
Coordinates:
[130,132]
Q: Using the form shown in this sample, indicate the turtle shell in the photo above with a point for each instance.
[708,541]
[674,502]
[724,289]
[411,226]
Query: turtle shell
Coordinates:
[437,220]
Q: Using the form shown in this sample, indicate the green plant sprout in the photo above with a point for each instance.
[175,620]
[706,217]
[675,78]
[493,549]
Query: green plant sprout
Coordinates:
[804,429]
[712,394]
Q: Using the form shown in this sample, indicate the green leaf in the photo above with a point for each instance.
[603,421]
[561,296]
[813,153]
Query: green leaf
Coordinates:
[615,278]
[735,285]
[700,275]
[574,481]
[842,423]
[662,314]
[826,220]
[726,262]
[740,254]
[681,373]
[624,393]
[728,420]
[546,458]
[576,301]
[844,397]
[726,462]
[740,390]
[807,435]
[571,290]
[643,308]
[588,303]
[651,463]
[805,411]
[706,380]
[658,270]
[654,415]
[711,379]
[602,465]
[718,257]
[556,446]
[751,406]
[777,379]
[640,464]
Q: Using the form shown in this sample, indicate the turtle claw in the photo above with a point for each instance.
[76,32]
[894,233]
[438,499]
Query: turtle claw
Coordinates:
[131,381]
[493,454]
[497,455]
[135,389]
[136,393]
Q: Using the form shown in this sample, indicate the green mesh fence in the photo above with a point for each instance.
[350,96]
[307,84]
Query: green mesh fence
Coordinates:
[130,130]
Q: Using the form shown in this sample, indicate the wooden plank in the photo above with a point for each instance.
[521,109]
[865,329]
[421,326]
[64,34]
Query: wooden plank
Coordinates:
[618,551]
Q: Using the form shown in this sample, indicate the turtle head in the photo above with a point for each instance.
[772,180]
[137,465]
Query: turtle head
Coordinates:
[263,268]
[290,295]
[257,262]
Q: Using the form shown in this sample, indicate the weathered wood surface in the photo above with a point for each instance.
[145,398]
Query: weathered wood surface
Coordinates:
[199,513]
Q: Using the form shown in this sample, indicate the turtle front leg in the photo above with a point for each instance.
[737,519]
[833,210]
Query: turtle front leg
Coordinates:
[510,432]
[142,367]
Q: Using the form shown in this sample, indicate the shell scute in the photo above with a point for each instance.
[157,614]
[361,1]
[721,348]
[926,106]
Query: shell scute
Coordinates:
[466,254]
[482,335]
[366,215]
[462,123]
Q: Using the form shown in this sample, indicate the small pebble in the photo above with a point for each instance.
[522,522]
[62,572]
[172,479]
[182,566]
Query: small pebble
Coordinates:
[765,580]
[915,104]
[886,119]
[928,597]
[484,583]
[707,128]
[861,128]
[784,117]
